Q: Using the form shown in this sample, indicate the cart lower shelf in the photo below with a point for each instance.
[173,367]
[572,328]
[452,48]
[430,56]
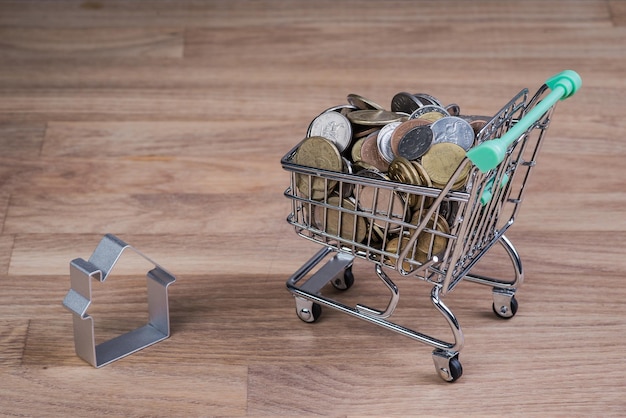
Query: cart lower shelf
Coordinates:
[335,268]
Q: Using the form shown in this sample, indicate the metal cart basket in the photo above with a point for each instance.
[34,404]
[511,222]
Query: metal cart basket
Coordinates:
[436,234]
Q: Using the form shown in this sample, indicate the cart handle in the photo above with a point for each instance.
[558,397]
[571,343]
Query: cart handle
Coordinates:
[489,154]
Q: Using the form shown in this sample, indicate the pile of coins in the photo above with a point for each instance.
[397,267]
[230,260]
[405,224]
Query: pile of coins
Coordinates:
[418,141]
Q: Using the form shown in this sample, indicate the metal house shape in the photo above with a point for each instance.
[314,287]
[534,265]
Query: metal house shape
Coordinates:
[78,300]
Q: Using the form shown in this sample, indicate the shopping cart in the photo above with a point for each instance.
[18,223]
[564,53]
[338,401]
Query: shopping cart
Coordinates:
[441,253]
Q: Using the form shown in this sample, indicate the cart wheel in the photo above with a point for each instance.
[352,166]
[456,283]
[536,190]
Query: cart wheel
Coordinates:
[345,282]
[506,310]
[309,312]
[448,365]
[456,369]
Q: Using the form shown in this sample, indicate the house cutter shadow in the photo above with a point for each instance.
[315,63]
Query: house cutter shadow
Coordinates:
[78,300]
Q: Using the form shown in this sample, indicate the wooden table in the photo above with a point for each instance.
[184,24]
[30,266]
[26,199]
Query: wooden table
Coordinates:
[164,123]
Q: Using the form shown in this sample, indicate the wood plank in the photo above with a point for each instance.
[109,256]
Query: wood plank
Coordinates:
[618,12]
[12,342]
[6,247]
[23,140]
[173,390]
[21,43]
[120,14]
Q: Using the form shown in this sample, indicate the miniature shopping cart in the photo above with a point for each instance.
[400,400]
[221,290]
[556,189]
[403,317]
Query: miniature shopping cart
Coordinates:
[478,216]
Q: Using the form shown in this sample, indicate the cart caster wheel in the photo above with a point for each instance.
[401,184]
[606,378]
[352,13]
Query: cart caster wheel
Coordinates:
[345,282]
[448,366]
[504,306]
[308,311]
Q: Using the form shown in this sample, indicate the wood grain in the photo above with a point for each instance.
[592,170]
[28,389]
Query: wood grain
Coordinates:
[164,123]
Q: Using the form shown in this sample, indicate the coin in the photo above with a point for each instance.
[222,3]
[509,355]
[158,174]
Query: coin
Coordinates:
[362,133]
[400,130]
[423,175]
[383,141]
[455,130]
[317,152]
[340,220]
[346,188]
[355,152]
[453,109]
[333,126]
[415,142]
[371,117]
[362,165]
[342,108]
[430,113]
[406,103]
[370,154]
[432,242]
[362,103]
[403,171]
[442,160]
[427,99]
[423,201]
[380,202]
[395,246]
[477,125]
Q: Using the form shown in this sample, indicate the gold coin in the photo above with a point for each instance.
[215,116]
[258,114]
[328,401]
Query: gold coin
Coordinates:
[423,175]
[362,165]
[395,246]
[431,116]
[342,222]
[317,152]
[403,171]
[362,103]
[424,181]
[374,117]
[442,160]
[439,242]
[355,152]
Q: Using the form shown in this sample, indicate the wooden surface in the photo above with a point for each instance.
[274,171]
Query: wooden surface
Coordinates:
[164,123]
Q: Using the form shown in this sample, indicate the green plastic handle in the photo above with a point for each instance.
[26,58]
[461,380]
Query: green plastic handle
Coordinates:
[489,154]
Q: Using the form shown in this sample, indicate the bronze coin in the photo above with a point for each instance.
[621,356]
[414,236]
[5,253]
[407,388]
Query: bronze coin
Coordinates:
[340,219]
[370,154]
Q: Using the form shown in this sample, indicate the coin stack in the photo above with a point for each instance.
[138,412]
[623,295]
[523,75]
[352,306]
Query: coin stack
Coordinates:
[418,141]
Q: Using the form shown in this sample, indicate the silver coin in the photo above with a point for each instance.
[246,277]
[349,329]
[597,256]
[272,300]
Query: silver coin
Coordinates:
[427,109]
[453,129]
[427,98]
[406,103]
[415,142]
[383,141]
[342,108]
[333,126]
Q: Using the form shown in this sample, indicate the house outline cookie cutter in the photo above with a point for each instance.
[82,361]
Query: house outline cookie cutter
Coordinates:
[78,300]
